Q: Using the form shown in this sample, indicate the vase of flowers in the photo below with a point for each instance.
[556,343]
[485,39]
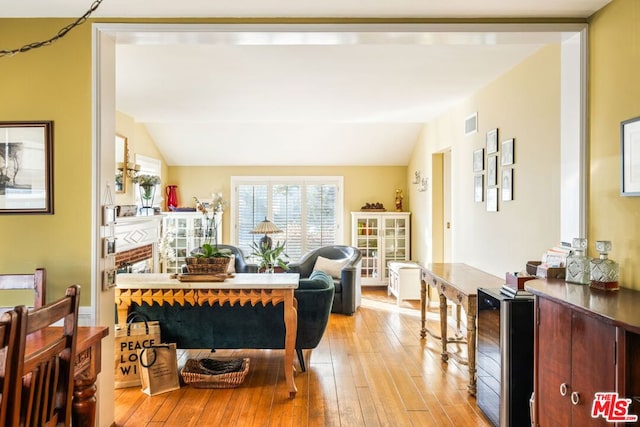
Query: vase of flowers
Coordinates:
[147,185]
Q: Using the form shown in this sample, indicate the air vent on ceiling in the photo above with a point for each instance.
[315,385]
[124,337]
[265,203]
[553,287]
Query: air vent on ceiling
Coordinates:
[471,124]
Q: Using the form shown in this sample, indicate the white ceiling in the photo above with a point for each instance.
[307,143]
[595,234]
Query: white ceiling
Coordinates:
[281,97]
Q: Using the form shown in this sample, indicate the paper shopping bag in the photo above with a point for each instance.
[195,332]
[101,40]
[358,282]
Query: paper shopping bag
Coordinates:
[129,338]
[158,366]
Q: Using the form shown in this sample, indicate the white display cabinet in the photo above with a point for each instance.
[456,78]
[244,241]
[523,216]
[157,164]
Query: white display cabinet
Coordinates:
[184,232]
[382,237]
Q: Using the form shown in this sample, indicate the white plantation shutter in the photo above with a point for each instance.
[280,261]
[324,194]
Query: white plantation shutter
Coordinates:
[251,205]
[307,209]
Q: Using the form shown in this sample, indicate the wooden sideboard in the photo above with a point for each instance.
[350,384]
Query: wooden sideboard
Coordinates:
[586,341]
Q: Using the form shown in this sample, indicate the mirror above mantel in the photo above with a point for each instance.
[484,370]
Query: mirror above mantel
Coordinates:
[124,168]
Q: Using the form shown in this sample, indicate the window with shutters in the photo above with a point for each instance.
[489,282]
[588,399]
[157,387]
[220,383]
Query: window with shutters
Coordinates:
[308,210]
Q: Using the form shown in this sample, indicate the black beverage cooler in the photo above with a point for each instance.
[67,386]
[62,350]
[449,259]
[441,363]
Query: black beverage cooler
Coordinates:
[505,357]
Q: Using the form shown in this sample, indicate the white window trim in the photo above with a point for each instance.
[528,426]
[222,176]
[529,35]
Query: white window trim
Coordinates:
[237,180]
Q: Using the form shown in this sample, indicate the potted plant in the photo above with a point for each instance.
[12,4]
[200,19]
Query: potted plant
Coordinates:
[208,258]
[270,257]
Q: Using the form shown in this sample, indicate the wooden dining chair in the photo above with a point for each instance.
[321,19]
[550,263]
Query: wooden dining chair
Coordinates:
[44,378]
[35,281]
[9,326]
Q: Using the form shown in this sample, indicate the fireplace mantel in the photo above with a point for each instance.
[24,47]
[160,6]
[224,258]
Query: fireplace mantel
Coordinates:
[136,232]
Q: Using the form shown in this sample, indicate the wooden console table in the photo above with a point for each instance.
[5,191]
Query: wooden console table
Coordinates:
[86,369]
[459,284]
[244,288]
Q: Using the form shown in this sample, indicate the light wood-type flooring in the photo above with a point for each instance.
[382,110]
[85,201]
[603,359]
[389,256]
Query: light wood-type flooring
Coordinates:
[371,369]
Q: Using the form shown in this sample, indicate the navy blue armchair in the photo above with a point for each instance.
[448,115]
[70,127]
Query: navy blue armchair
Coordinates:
[347,294]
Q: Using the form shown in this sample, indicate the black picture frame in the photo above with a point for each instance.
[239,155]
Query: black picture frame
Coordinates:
[478,160]
[507,184]
[492,141]
[506,153]
[478,188]
[26,167]
[492,171]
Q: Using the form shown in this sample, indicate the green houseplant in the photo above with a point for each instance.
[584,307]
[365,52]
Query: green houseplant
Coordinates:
[208,258]
[270,257]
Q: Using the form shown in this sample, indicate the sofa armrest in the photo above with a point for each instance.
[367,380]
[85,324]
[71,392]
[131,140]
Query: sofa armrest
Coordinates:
[294,267]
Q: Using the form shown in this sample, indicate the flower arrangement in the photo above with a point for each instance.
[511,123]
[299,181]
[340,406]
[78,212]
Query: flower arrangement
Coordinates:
[218,202]
[209,249]
[145,180]
[147,185]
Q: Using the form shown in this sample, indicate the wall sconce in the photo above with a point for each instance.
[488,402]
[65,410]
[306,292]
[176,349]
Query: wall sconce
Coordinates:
[131,168]
[416,177]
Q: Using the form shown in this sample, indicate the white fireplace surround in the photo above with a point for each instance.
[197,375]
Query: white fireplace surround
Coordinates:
[137,231]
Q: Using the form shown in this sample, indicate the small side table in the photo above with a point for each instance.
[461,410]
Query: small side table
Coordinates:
[404,280]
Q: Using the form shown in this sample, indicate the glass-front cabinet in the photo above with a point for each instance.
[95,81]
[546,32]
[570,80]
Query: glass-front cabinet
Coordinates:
[183,232]
[382,237]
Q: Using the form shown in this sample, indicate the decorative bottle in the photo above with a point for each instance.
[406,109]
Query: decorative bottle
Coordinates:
[578,268]
[604,272]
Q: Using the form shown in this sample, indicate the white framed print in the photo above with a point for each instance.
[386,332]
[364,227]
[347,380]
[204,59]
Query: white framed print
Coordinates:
[492,141]
[630,138]
[478,188]
[492,171]
[507,184]
[506,158]
[478,160]
[492,199]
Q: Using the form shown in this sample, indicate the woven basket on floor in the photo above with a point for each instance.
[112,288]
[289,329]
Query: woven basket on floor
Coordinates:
[195,374]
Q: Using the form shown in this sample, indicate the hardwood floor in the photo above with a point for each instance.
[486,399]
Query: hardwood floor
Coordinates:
[371,369]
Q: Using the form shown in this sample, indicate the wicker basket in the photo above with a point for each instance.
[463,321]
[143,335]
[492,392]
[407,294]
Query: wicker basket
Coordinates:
[195,374]
[207,265]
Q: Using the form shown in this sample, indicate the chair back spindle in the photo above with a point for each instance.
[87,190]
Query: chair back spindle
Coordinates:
[44,380]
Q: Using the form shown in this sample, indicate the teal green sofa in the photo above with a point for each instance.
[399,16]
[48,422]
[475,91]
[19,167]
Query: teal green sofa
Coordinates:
[246,327]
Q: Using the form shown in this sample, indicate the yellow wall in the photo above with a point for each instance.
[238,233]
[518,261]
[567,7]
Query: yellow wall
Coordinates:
[52,83]
[523,104]
[614,96]
[140,143]
[361,185]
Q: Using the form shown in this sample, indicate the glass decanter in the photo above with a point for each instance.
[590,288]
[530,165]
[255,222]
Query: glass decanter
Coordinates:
[578,268]
[604,272]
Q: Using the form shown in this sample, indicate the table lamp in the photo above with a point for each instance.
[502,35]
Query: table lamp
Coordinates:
[266,227]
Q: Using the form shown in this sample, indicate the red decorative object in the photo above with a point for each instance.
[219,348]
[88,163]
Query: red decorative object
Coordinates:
[172,197]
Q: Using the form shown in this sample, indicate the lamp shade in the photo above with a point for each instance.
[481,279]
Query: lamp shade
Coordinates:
[265,227]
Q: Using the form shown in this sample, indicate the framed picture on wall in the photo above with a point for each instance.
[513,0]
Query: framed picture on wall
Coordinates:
[108,214]
[109,278]
[492,199]
[492,141]
[478,160]
[630,138]
[507,184]
[478,188]
[108,246]
[492,171]
[507,152]
[26,171]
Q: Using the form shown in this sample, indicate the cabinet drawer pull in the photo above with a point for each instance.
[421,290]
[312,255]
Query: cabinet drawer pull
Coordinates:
[575,397]
[563,389]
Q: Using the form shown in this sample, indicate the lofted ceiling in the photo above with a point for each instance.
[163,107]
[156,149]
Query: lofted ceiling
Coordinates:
[242,96]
